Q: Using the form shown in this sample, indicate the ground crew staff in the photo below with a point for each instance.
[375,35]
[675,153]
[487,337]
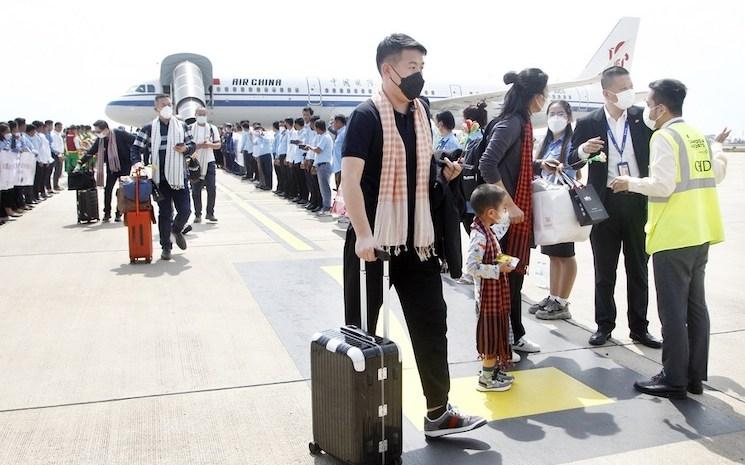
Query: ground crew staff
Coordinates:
[684,219]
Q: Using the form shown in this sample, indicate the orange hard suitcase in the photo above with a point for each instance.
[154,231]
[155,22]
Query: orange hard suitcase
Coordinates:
[139,227]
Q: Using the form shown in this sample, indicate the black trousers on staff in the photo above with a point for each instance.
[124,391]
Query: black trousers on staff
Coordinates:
[302,185]
[419,289]
[247,164]
[623,230]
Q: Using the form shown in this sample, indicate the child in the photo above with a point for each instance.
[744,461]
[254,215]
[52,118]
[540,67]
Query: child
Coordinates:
[491,289]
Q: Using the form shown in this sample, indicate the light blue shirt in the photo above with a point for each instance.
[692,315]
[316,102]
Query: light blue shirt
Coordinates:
[553,152]
[4,144]
[326,144]
[340,136]
[262,145]
[35,144]
[29,145]
[448,143]
[247,143]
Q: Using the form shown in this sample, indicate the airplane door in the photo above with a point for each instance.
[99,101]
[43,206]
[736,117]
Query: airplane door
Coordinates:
[314,90]
[455,91]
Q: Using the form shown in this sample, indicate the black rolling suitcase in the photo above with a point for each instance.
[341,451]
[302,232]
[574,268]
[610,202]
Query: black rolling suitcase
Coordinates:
[356,384]
[87,205]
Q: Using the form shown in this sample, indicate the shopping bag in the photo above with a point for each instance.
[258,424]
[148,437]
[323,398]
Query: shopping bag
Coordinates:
[587,205]
[554,219]
[8,169]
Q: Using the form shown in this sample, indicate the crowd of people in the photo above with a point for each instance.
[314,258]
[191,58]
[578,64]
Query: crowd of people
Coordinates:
[654,174]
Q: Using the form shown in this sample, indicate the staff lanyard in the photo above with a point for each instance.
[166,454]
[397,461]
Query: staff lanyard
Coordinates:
[623,142]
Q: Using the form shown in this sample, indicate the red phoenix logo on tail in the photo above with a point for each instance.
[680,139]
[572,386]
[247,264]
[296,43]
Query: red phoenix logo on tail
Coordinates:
[617,56]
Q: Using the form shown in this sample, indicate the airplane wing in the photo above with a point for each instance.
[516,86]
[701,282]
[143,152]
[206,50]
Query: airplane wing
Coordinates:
[457,104]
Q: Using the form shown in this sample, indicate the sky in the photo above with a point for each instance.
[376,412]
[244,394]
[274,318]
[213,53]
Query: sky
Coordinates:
[72,58]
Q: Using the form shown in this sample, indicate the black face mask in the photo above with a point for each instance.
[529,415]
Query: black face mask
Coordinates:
[411,86]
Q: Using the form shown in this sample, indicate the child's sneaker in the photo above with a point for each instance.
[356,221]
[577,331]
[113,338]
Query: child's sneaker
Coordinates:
[492,383]
[501,375]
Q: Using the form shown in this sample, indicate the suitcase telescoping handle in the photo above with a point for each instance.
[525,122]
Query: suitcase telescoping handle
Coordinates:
[385,257]
[138,175]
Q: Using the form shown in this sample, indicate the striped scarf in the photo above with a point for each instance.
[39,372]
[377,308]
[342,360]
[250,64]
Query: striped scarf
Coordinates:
[493,328]
[520,236]
[174,171]
[391,218]
[113,157]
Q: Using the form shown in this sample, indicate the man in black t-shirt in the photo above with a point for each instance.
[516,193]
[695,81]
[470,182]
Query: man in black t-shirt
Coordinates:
[414,273]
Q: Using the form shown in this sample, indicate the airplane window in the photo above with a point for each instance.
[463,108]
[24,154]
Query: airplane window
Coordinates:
[297,90]
[356,91]
[333,90]
[369,91]
[274,89]
[217,89]
[251,89]
[140,88]
[282,89]
[150,88]
[235,89]
[349,91]
[266,89]
[326,90]
[243,90]
[258,89]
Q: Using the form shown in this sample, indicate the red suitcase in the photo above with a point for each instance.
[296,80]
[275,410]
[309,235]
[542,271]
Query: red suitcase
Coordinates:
[139,226]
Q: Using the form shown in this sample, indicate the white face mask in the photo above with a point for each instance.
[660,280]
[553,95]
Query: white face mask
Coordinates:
[625,99]
[201,119]
[166,112]
[651,123]
[557,124]
[102,134]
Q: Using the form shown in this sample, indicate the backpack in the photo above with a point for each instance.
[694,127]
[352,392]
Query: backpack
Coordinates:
[471,176]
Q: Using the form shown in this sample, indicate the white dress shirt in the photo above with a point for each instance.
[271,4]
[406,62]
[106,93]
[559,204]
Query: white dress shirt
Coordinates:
[661,180]
[614,157]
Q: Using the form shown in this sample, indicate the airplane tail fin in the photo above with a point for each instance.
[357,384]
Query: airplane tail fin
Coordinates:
[617,49]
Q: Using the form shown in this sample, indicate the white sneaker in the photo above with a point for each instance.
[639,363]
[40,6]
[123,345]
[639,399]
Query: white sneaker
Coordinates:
[525,345]
[516,358]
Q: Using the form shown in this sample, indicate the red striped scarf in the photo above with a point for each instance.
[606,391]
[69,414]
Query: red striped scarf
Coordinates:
[520,236]
[493,328]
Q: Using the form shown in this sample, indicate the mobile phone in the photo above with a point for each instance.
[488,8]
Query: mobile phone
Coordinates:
[295,141]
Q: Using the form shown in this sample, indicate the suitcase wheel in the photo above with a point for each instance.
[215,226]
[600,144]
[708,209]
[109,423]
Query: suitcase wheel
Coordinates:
[315,449]
[132,261]
[149,260]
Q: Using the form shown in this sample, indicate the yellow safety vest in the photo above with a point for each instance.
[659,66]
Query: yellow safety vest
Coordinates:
[690,216]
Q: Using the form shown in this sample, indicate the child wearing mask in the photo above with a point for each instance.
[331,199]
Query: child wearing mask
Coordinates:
[485,263]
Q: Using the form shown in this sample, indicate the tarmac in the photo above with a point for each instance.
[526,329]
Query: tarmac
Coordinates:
[205,359]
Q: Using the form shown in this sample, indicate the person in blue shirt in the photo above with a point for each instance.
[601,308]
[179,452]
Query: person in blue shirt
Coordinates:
[324,157]
[314,204]
[551,160]
[340,125]
[445,125]
[263,157]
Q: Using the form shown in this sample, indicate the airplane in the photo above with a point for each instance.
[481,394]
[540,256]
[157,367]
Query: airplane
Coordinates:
[188,79]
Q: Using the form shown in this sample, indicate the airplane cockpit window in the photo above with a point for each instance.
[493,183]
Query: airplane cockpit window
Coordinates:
[138,88]
[151,88]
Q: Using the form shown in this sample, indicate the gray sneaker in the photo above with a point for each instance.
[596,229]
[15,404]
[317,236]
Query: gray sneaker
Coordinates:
[499,374]
[539,306]
[495,383]
[451,422]
[554,311]
[197,219]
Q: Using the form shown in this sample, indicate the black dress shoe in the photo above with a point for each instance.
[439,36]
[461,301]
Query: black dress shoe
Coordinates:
[696,387]
[646,339]
[599,338]
[657,386]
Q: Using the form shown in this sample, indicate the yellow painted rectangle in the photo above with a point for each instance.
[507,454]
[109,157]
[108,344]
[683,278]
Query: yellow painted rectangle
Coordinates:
[294,242]
[535,391]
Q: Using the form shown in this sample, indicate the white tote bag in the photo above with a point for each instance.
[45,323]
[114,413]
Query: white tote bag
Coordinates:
[554,221]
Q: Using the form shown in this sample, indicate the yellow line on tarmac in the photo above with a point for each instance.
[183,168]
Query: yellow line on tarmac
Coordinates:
[291,239]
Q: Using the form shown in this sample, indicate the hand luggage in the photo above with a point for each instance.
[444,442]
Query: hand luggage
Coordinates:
[81,180]
[87,203]
[139,227]
[356,389]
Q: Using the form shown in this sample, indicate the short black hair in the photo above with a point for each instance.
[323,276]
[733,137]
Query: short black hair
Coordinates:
[309,110]
[101,124]
[58,123]
[4,127]
[314,118]
[289,121]
[300,121]
[48,122]
[158,97]
[321,124]
[447,119]
[341,118]
[30,127]
[246,125]
[487,196]
[609,74]
[275,125]
[671,93]
[37,123]
[20,121]
[393,45]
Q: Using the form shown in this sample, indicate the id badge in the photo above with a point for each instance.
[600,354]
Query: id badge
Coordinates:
[623,169]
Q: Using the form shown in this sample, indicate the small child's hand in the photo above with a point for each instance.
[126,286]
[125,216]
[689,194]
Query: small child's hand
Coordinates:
[505,268]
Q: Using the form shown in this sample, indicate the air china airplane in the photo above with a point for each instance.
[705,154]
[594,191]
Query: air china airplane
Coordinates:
[188,79]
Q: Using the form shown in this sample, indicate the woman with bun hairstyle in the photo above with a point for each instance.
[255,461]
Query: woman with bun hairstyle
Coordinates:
[508,162]
[475,118]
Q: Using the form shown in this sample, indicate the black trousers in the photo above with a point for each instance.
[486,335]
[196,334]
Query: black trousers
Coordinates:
[219,158]
[623,230]
[290,183]
[210,184]
[265,167]
[302,184]
[309,184]
[279,170]
[58,168]
[467,221]
[419,289]
[7,200]
[40,179]
[516,298]
[256,172]
[315,193]
[247,164]
[108,191]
